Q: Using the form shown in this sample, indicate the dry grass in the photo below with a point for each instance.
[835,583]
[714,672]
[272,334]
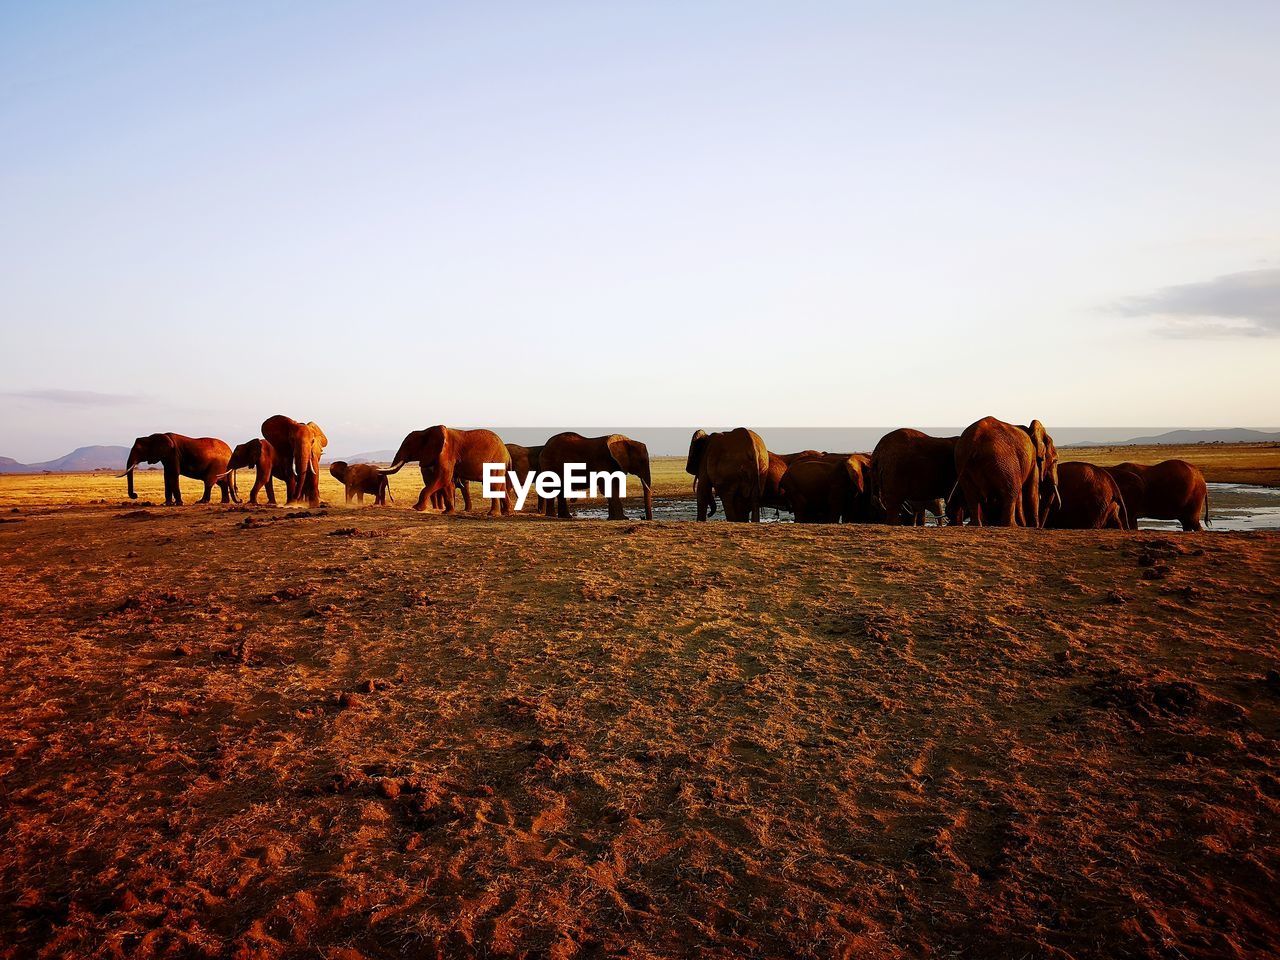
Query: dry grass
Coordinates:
[1257,463]
[365,732]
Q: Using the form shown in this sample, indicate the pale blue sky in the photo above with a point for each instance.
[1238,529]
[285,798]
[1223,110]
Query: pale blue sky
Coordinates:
[382,216]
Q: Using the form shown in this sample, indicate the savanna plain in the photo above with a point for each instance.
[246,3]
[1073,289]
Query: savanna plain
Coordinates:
[344,732]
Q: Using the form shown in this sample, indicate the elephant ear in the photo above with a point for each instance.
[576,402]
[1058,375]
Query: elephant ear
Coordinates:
[697,447]
[173,445]
[620,449]
[853,467]
[1039,437]
[324,441]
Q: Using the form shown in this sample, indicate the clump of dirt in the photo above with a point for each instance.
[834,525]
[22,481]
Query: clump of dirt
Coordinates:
[288,593]
[152,600]
[1154,697]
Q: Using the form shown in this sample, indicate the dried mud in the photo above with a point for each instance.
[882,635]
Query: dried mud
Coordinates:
[367,733]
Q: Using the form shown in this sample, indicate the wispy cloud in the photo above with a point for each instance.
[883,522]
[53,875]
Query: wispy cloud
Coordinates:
[76,398]
[1243,304]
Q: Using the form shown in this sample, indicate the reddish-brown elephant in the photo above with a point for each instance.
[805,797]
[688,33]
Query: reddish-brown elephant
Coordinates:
[200,458]
[446,455]
[1003,470]
[1169,490]
[733,465]
[1091,500]
[778,464]
[607,454]
[831,489]
[298,447]
[260,455]
[358,479]
[911,471]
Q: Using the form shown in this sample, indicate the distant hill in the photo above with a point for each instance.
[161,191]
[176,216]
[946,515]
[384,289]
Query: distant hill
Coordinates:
[371,456]
[78,460]
[1233,435]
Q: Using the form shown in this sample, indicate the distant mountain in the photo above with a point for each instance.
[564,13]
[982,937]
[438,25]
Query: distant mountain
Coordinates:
[1233,435]
[78,460]
[371,456]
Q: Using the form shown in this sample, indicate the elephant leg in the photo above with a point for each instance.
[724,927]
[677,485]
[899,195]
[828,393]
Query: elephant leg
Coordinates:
[466,496]
[423,498]
[615,507]
[224,489]
[1191,524]
[706,497]
[892,516]
[1007,515]
[271,491]
[172,489]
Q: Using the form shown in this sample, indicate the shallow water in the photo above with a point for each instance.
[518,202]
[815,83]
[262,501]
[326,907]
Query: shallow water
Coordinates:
[1232,506]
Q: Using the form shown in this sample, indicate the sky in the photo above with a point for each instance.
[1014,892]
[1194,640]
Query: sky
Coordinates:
[381,216]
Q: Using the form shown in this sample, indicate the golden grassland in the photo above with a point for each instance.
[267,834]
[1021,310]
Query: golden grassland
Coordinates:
[364,732]
[1256,463]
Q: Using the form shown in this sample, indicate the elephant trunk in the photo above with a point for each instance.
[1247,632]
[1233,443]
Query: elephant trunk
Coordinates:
[130,465]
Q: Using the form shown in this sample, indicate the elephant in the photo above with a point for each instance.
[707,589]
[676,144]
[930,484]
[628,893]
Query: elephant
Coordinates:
[524,461]
[733,464]
[200,458]
[1169,490]
[1003,469]
[445,456]
[831,489]
[912,468]
[778,463]
[298,447]
[1091,500]
[610,453]
[361,478]
[260,455]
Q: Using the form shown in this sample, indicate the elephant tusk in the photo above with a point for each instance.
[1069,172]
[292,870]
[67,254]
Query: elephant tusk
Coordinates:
[121,476]
[394,468]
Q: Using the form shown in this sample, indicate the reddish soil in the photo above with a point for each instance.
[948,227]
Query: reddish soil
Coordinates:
[366,733]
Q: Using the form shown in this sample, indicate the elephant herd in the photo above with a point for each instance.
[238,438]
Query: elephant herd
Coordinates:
[992,474]
[287,451]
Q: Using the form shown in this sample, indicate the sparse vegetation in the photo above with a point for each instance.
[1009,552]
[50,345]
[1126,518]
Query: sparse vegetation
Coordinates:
[368,732]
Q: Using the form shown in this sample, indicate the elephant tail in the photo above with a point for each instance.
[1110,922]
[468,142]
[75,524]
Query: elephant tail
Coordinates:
[387,486]
[1206,505]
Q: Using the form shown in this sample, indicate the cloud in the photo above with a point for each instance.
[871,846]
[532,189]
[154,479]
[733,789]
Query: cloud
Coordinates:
[76,398]
[1243,304]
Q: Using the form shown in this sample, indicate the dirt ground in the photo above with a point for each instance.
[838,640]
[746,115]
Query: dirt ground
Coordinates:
[370,733]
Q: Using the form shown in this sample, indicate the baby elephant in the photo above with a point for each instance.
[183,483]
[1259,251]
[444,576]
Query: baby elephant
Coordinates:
[361,478]
[261,456]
